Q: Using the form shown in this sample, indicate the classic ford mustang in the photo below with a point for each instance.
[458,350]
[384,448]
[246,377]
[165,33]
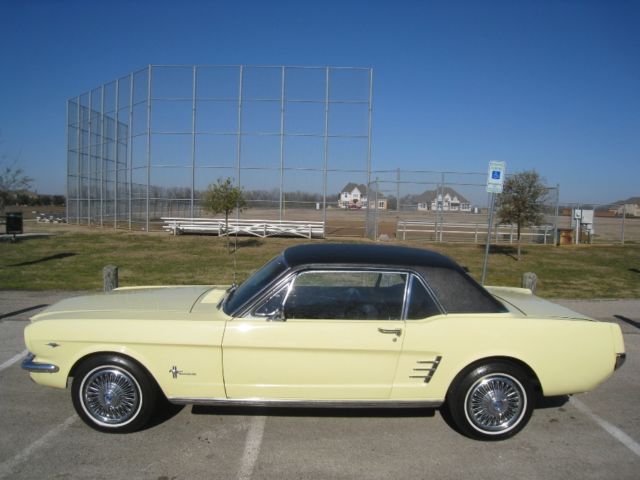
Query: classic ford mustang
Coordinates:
[323,325]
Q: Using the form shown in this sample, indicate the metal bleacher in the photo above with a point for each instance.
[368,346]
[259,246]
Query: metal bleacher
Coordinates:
[256,228]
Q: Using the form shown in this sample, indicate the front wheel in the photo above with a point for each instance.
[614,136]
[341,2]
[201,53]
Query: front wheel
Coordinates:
[113,394]
[492,401]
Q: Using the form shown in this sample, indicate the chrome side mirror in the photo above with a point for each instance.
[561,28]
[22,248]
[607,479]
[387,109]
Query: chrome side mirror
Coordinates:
[276,316]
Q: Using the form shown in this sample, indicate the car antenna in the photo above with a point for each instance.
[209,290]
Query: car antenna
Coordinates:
[235,249]
[235,262]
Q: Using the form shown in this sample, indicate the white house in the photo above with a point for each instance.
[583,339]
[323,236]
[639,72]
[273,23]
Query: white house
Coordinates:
[355,196]
[629,209]
[445,199]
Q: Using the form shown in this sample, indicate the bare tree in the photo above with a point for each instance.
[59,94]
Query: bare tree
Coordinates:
[522,201]
[223,197]
[12,180]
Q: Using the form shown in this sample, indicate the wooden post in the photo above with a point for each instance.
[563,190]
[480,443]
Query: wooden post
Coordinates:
[530,281]
[110,277]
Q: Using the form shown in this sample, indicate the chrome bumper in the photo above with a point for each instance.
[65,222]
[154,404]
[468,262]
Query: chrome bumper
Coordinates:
[620,358]
[30,366]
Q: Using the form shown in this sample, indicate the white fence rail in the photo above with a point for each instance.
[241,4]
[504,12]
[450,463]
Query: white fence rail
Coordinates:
[256,228]
[476,232]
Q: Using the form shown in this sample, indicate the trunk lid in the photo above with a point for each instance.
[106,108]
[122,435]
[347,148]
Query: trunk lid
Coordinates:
[522,301]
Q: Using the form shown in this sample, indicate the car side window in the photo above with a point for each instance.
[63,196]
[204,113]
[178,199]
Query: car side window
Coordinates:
[421,304]
[348,295]
[273,305]
[457,292]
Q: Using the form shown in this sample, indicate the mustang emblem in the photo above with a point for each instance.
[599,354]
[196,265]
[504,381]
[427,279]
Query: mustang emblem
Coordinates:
[175,372]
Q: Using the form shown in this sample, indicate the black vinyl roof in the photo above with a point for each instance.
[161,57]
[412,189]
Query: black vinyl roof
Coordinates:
[453,288]
[365,254]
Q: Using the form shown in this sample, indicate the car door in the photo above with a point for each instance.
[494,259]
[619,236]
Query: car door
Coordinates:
[319,335]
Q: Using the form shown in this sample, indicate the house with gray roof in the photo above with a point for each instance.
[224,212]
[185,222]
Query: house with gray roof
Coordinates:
[356,196]
[444,199]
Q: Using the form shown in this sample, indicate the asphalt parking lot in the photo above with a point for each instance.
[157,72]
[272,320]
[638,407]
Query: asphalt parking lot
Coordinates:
[595,435]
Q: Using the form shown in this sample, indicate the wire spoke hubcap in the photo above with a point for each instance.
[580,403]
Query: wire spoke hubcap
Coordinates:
[110,396]
[495,403]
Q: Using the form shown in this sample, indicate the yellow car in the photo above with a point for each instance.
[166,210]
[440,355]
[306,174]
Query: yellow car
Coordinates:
[324,325]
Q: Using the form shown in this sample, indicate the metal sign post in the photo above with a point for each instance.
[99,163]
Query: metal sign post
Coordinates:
[495,181]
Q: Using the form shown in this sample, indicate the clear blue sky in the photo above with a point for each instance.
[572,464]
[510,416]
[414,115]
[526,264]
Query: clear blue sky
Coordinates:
[551,85]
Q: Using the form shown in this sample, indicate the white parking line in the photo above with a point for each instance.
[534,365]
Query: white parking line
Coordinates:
[612,430]
[7,467]
[13,360]
[252,447]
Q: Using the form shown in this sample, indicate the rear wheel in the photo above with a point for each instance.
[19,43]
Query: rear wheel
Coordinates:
[113,394]
[492,401]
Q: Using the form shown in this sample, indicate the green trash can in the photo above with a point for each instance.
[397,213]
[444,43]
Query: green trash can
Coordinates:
[14,223]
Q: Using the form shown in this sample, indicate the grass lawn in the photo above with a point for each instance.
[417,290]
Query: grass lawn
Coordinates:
[73,259]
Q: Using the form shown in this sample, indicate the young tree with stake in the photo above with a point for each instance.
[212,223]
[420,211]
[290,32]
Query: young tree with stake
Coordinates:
[223,197]
[522,201]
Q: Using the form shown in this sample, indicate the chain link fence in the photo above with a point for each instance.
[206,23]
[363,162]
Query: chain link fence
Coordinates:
[616,223]
[145,146]
[451,207]
[298,141]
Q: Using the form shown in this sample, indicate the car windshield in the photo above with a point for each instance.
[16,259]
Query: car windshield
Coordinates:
[254,284]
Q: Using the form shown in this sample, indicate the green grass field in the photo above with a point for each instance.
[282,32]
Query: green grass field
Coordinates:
[73,258]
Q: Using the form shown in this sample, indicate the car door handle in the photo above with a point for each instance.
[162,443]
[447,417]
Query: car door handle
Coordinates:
[391,331]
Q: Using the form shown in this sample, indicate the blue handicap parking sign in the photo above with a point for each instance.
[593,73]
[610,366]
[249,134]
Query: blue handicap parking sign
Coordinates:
[495,176]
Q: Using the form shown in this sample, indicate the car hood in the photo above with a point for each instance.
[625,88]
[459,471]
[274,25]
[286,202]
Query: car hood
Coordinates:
[522,301]
[136,299]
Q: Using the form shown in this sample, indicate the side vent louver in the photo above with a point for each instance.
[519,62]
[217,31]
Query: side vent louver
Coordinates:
[426,369]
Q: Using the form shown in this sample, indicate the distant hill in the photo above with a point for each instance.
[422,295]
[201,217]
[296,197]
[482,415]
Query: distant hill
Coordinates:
[634,200]
[616,204]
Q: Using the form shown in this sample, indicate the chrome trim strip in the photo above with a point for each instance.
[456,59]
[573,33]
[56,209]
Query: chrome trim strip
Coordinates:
[30,366]
[262,402]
